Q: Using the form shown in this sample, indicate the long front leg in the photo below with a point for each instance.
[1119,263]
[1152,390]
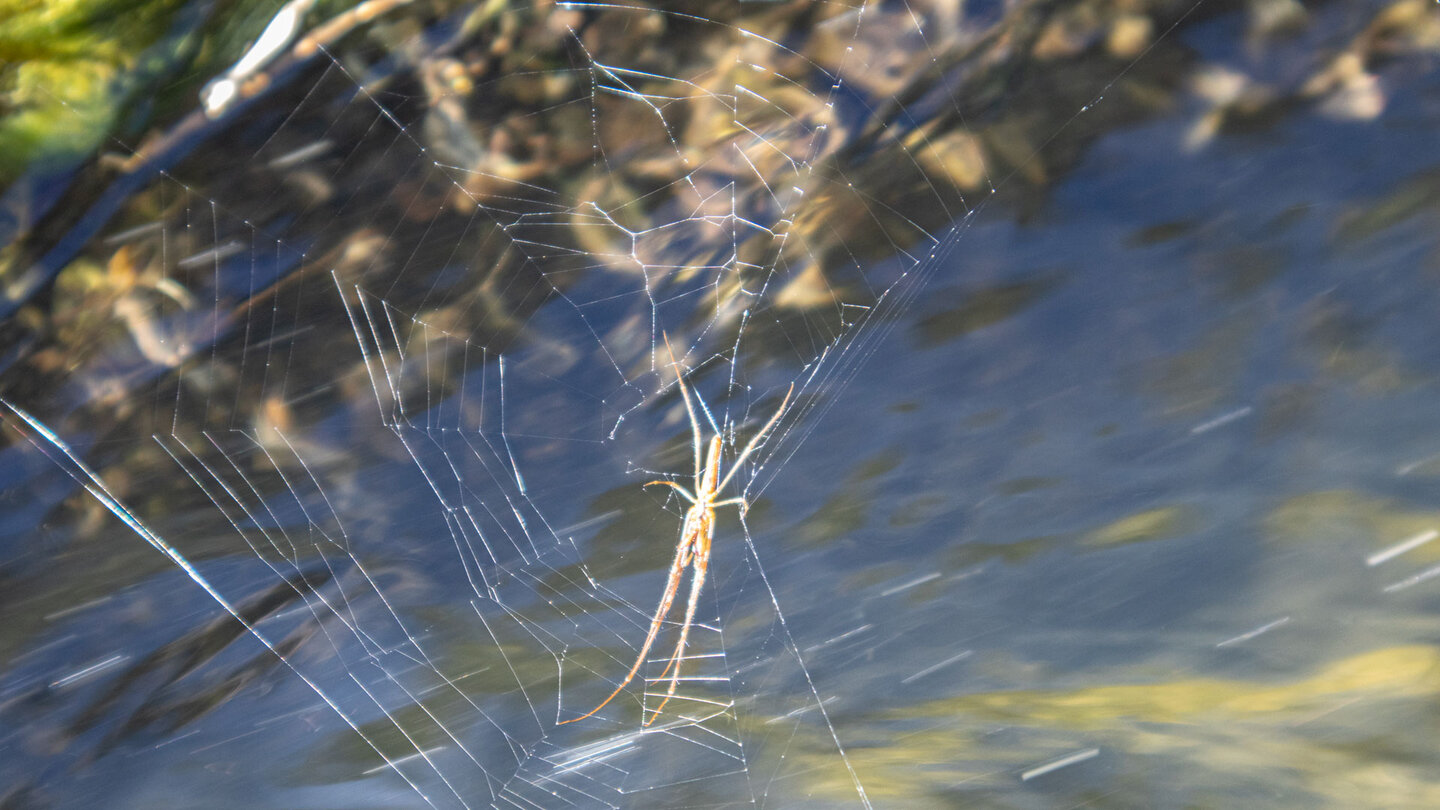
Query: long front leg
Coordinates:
[755,441]
[701,563]
[689,409]
[672,585]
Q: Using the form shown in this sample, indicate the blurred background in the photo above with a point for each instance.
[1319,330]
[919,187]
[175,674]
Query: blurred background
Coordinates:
[1110,477]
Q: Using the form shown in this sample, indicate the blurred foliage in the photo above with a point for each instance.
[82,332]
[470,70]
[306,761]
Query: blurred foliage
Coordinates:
[498,104]
[1194,742]
[1160,523]
[1358,521]
[64,70]
[73,72]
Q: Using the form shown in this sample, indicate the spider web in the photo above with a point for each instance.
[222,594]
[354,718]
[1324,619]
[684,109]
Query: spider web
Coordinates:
[397,315]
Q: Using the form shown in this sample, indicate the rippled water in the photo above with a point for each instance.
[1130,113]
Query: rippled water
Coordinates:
[1124,498]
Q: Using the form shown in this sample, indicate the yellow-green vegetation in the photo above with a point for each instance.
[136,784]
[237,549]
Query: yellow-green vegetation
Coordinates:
[1219,742]
[1363,523]
[1396,672]
[1152,524]
[62,65]
[70,69]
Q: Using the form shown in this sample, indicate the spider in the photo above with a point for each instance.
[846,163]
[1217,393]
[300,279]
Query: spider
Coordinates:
[695,536]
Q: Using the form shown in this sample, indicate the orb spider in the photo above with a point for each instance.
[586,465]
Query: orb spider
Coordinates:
[696,534]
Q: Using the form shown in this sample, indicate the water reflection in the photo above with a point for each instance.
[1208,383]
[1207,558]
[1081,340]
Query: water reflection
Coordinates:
[1111,487]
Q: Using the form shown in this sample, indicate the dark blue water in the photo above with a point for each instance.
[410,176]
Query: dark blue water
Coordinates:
[1095,485]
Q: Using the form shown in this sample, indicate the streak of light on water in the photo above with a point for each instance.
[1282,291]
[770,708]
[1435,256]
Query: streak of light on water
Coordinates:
[1063,762]
[937,667]
[86,672]
[1221,420]
[1264,628]
[588,522]
[49,617]
[914,583]
[847,634]
[1428,573]
[1401,547]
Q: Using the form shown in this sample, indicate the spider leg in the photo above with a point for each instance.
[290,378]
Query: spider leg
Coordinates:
[697,439]
[684,493]
[683,556]
[701,563]
[740,502]
[755,440]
